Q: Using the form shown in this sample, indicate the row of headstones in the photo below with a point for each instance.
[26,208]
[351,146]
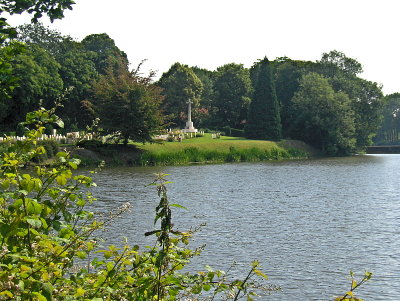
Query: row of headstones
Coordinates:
[69,138]
[177,136]
[175,132]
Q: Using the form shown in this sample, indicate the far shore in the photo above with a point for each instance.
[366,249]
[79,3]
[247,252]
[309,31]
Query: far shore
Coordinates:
[199,150]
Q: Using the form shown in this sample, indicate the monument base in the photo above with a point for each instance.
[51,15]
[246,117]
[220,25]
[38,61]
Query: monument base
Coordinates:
[192,130]
[189,128]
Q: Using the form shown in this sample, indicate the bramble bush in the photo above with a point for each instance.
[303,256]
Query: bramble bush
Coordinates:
[49,251]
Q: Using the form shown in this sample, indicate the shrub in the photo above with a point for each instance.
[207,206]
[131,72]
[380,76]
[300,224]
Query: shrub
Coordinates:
[48,129]
[89,144]
[47,150]
[50,146]
[237,133]
[20,130]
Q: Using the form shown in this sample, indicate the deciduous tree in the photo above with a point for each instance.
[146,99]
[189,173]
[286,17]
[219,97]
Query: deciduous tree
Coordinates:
[106,54]
[54,9]
[232,94]
[39,84]
[128,106]
[335,61]
[389,128]
[366,96]
[9,50]
[179,85]
[323,117]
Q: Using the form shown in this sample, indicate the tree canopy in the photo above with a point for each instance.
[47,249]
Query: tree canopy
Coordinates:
[323,117]
[233,89]
[54,9]
[39,84]
[180,84]
[10,49]
[264,121]
[389,127]
[128,106]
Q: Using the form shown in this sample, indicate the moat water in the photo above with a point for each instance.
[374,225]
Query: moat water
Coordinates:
[308,222]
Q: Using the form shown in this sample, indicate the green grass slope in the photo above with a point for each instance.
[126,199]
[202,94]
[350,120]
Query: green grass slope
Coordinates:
[208,150]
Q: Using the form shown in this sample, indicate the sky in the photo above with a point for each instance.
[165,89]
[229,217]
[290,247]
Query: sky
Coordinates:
[212,33]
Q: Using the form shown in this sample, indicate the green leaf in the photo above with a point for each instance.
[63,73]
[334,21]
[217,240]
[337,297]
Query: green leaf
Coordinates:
[4,229]
[40,150]
[39,296]
[61,180]
[107,254]
[73,164]
[21,285]
[33,207]
[44,223]
[35,223]
[178,206]
[79,292]
[61,154]
[5,184]
[367,275]
[18,203]
[7,293]
[81,255]
[261,274]
[59,122]
[47,291]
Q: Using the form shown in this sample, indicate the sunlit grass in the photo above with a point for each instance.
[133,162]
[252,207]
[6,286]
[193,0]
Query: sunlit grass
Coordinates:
[205,149]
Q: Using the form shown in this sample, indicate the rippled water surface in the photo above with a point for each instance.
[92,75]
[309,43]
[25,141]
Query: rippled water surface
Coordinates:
[308,222]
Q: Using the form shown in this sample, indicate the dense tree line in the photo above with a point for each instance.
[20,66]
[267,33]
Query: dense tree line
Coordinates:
[324,103]
[85,80]
[389,130]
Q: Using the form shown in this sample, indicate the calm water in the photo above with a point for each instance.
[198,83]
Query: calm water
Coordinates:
[308,222]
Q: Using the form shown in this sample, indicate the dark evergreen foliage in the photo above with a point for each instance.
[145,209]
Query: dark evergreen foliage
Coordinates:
[264,121]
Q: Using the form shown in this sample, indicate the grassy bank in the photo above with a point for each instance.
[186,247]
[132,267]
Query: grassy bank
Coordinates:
[208,150]
[195,150]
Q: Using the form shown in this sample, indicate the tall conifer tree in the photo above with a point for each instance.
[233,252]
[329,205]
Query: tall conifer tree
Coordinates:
[264,121]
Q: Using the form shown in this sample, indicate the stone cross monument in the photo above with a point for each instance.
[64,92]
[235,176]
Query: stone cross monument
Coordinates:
[189,124]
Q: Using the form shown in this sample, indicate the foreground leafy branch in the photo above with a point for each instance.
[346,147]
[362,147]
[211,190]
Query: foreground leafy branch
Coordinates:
[350,295]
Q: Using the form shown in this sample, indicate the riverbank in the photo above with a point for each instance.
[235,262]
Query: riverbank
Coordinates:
[199,150]
[383,149]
